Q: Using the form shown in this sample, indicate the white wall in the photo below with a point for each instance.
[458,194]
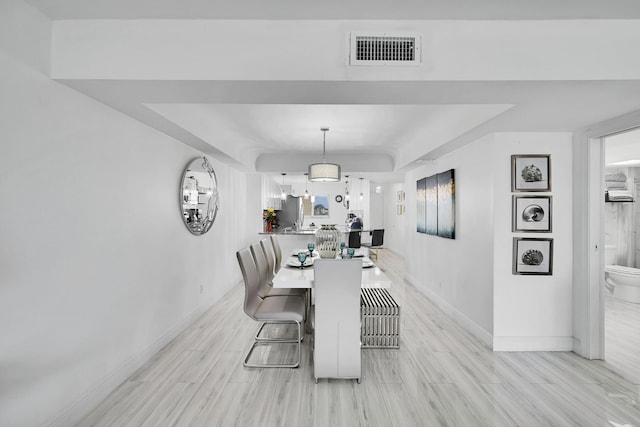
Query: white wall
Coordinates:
[533,312]
[458,274]
[317,50]
[97,270]
[394,224]
[471,277]
[337,211]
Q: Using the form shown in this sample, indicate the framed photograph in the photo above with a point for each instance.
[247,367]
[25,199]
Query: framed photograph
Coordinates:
[321,206]
[531,214]
[531,172]
[532,256]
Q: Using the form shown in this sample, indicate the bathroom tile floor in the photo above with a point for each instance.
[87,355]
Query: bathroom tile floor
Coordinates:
[622,337]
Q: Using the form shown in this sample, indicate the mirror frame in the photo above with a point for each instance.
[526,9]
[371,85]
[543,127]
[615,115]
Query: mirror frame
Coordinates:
[202,226]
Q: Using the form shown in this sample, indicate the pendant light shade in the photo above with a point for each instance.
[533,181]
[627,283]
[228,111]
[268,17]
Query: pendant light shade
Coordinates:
[306,191]
[283,194]
[324,172]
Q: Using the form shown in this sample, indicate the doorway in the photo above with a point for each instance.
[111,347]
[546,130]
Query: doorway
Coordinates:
[621,263]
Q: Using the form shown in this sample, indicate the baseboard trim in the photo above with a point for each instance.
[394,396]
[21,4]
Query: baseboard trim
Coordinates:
[469,325]
[92,398]
[532,343]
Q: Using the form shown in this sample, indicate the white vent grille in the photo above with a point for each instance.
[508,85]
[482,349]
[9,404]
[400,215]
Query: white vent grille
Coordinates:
[385,49]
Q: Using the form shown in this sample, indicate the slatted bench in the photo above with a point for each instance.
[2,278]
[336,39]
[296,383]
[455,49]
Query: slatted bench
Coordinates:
[380,319]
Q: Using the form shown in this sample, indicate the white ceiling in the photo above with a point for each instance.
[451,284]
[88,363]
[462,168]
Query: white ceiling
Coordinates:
[338,9]
[623,149]
[378,129]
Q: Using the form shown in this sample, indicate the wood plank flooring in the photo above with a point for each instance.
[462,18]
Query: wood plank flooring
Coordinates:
[622,337]
[441,376]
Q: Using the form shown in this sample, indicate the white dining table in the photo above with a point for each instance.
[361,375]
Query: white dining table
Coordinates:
[295,277]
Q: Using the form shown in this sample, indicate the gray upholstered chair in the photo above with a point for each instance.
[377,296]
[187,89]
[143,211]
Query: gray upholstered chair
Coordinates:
[277,251]
[377,240]
[265,268]
[273,309]
[336,342]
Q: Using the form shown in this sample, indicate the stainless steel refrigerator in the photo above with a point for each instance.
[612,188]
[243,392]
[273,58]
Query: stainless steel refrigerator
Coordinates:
[291,215]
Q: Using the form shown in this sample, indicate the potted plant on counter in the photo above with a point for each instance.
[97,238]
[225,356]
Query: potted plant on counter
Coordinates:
[270,219]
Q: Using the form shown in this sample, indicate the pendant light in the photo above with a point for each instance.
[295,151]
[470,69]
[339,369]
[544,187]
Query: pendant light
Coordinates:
[345,202]
[361,194]
[283,195]
[306,191]
[324,172]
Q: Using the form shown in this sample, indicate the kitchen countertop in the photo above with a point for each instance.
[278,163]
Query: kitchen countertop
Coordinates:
[293,232]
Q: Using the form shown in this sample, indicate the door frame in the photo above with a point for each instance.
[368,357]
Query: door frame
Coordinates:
[588,233]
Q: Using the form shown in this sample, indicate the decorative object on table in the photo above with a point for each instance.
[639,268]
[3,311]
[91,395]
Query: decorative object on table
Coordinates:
[447,204]
[321,206]
[532,256]
[327,241]
[531,214]
[302,257]
[324,172]
[530,172]
[342,246]
[351,252]
[311,247]
[199,197]
[421,186]
[270,219]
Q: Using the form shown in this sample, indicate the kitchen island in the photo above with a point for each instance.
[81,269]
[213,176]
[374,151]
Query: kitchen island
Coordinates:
[291,240]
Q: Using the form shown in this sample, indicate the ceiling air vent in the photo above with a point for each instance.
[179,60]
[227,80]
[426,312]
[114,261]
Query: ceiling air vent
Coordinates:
[399,49]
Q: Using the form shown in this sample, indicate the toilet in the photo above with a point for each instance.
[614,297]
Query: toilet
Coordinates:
[623,282]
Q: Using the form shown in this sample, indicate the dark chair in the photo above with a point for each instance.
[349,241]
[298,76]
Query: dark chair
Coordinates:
[354,239]
[275,309]
[377,240]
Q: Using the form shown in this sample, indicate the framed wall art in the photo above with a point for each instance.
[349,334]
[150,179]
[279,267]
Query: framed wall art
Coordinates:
[446,204]
[431,205]
[532,256]
[530,172]
[321,206]
[420,205]
[531,214]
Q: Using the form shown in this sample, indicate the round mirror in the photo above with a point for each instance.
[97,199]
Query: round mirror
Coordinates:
[199,196]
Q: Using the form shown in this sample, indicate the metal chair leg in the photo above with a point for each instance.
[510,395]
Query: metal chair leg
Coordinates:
[267,341]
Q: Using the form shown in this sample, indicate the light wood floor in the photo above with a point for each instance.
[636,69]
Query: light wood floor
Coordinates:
[440,376]
[622,337]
